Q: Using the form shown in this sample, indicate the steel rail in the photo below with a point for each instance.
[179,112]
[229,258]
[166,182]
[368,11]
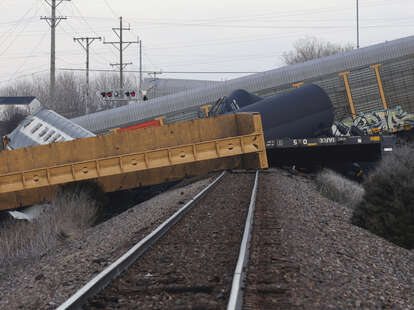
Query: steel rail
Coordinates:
[236,293]
[111,272]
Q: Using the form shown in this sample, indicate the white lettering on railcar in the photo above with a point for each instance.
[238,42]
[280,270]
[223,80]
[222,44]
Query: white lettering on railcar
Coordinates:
[327,140]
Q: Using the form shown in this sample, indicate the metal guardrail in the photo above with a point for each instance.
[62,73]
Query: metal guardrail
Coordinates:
[111,272]
[236,294]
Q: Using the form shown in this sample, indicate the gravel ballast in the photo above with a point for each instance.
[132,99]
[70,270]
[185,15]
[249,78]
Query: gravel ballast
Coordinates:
[46,282]
[192,265]
[339,266]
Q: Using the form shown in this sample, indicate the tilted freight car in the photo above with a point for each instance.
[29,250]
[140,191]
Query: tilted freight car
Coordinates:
[297,126]
[299,113]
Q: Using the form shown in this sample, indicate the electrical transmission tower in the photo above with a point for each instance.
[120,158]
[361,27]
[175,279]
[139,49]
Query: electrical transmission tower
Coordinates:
[86,42]
[121,45]
[53,21]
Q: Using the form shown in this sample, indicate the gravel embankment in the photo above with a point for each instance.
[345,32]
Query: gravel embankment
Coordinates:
[48,281]
[192,266]
[340,266]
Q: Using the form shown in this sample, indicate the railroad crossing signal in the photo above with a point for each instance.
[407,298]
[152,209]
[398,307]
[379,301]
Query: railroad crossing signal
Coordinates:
[130,93]
[115,94]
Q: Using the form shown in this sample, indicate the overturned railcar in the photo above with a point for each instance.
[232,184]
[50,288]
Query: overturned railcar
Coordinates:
[297,128]
[44,127]
[299,113]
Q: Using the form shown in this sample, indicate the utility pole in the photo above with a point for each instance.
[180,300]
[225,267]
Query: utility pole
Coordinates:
[89,41]
[154,80]
[357,17]
[53,22]
[140,69]
[119,45]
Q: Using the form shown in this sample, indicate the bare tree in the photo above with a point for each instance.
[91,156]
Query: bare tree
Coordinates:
[311,48]
[70,93]
[106,82]
[10,119]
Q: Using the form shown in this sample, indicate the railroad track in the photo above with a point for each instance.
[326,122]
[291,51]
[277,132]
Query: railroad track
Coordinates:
[269,268]
[193,265]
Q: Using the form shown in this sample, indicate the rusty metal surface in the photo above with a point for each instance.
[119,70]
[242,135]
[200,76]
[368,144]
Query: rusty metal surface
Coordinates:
[133,158]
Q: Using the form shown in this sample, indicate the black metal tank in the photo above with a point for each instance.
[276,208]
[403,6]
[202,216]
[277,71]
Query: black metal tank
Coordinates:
[303,112]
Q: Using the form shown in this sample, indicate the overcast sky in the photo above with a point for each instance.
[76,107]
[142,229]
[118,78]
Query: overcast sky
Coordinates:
[184,35]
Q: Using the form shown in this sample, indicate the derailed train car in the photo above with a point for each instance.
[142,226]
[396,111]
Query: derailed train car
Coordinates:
[297,126]
[299,113]
[44,127]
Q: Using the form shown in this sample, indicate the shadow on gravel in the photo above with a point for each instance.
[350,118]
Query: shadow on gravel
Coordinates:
[121,201]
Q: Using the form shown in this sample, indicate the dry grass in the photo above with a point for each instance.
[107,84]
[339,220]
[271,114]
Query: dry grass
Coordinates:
[338,188]
[72,212]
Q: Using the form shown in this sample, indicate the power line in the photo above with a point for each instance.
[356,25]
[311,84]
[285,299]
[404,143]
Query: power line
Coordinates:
[86,22]
[273,15]
[103,58]
[152,71]
[23,76]
[7,33]
[111,9]
[31,53]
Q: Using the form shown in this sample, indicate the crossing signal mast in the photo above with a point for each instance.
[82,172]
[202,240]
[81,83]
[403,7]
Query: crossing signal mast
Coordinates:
[121,45]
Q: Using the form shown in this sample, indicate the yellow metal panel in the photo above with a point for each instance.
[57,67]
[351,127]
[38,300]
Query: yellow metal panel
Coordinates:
[229,147]
[348,92]
[41,156]
[37,178]
[161,120]
[85,171]
[182,155]
[14,182]
[157,159]
[206,108]
[3,160]
[18,160]
[62,153]
[133,162]
[247,124]
[133,158]
[297,85]
[207,150]
[60,175]
[381,89]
